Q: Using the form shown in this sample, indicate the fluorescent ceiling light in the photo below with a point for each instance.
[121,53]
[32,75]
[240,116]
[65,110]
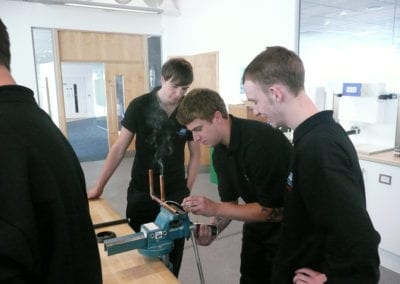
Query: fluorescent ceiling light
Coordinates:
[104,6]
[114,7]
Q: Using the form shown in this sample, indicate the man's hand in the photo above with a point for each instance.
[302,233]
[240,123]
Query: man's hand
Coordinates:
[204,235]
[309,276]
[94,192]
[200,205]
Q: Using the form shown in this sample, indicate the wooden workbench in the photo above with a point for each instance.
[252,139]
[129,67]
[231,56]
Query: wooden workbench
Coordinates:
[130,266]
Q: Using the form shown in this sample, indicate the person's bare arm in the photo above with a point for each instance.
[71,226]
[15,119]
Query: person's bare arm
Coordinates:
[114,158]
[205,234]
[249,212]
[194,163]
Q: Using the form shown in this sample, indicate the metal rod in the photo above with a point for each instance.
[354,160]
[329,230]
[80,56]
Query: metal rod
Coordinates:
[110,223]
[197,257]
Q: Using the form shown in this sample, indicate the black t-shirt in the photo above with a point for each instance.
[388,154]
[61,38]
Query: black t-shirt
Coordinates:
[158,138]
[255,165]
[326,225]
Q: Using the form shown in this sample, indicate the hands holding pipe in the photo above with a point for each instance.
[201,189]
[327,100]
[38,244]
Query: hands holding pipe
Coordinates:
[200,205]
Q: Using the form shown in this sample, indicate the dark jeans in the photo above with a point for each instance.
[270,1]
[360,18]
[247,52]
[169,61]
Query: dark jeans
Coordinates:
[259,244]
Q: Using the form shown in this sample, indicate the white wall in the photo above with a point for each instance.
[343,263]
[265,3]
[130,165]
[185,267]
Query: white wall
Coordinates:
[20,17]
[238,29]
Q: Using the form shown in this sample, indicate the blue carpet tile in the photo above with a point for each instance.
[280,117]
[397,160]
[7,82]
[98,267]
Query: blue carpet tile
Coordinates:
[89,139]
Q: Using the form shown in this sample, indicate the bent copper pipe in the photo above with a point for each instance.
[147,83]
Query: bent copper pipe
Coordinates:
[162,192]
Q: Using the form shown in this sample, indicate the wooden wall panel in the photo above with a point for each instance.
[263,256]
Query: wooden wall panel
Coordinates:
[103,47]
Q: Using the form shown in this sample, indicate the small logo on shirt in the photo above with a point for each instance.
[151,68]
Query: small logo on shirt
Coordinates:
[290,182]
[182,132]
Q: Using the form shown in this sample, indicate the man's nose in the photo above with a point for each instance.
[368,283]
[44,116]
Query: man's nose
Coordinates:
[255,111]
[180,93]
[196,137]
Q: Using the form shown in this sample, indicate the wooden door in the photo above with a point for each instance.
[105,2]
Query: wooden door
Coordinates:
[124,82]
[205,69]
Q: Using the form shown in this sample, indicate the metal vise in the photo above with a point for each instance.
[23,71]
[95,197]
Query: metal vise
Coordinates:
[156,238]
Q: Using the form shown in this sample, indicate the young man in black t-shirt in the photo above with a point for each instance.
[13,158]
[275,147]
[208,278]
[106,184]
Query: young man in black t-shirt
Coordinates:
[251,160]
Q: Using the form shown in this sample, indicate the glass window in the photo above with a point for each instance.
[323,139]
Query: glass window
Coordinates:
[353,42]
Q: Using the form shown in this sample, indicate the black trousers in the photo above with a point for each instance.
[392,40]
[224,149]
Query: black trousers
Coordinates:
[259,246]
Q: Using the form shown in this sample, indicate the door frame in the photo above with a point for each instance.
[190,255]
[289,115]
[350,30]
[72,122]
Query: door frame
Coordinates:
[91,46]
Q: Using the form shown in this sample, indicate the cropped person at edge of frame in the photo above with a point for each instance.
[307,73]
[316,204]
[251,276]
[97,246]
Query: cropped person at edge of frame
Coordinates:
[46,233]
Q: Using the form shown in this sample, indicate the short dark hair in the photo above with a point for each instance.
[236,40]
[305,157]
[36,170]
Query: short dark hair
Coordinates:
[179,70]
[276,64]
[201,103]
[5,55]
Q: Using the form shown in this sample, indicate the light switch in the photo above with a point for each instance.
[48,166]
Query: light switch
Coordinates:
[386,179]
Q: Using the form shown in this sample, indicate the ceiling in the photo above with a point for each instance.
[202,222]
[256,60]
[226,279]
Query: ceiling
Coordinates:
[168,7]
[328,20]
[373,20]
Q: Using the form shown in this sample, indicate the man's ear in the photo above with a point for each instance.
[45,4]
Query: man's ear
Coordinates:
[162,80]
[217,116]
[277,93]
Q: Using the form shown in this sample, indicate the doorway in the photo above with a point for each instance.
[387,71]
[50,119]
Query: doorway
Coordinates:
[85,109]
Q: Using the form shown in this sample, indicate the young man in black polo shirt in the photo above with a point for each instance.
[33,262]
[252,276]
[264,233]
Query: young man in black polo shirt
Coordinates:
[160,143]
[251,160]
[327,234]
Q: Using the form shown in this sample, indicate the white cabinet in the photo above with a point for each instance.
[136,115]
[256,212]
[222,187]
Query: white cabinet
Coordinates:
[382,184]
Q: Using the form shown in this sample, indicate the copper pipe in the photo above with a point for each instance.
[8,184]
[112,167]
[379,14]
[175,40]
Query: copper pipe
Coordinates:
[162,188]
[155,198]
[151,183]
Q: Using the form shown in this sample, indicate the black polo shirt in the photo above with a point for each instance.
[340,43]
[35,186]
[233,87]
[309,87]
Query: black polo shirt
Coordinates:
[158,138]
[326,225]
[255,165]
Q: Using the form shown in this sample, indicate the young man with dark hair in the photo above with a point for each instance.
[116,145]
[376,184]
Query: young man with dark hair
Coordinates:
[327,234]
[159,144]
[251,160]
[46,233]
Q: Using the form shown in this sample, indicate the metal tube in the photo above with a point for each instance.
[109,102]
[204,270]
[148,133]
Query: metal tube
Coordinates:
[110,223]
[197,257]
[151,184]
[162,188]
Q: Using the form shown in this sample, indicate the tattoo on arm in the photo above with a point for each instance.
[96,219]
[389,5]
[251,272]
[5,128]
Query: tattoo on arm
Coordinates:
[221,223]
[275,214]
